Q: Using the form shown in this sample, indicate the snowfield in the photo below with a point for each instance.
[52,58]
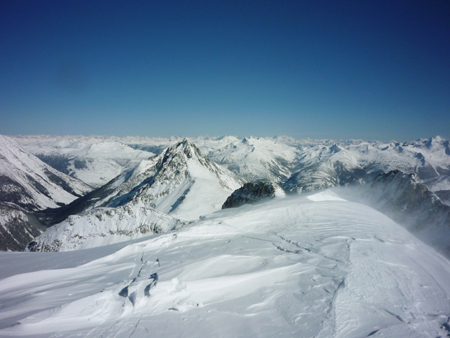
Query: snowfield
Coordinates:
[311,265]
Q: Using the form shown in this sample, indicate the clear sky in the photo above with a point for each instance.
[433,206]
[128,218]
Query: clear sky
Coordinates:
[320,69]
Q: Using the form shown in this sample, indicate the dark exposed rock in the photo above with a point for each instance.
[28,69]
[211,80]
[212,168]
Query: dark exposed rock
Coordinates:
[251,193]
[17,227]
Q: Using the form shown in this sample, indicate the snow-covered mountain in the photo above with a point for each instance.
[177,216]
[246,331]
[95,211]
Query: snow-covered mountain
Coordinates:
[323,166]
[256,159]
[27,185]
[104,226]
[93,160]
[304,266]
[183,183]
[179,183]
[28,182]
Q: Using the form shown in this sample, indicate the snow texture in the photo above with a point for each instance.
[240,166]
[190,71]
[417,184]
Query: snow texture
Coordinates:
[301,266]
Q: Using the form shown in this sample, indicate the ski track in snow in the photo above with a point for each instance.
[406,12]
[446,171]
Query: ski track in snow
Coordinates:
[304,266]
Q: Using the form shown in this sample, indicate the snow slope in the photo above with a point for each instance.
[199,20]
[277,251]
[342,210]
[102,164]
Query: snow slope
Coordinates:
[407,201]
[302,266]
[27,185]
[104,226]
[28,182]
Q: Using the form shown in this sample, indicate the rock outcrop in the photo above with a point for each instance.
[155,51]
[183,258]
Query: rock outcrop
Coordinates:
[252,193]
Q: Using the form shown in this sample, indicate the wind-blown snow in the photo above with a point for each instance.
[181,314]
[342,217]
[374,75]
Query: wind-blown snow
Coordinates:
[303,266]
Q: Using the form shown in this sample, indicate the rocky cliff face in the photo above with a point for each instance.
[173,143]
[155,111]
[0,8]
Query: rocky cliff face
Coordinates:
[252,193]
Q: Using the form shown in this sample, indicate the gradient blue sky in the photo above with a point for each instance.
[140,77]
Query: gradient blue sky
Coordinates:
[319,69]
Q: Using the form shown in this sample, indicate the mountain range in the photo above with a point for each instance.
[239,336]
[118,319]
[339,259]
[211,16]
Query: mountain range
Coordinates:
[296,165]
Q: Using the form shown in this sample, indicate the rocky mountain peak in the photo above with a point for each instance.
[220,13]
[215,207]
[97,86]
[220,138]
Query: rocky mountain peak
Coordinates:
[335,149]
[180,174]
[183,150]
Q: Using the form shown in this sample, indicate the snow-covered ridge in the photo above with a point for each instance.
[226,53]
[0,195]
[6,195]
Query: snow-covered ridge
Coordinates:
[291,267]
[104,226]
[27,185]
[32,184]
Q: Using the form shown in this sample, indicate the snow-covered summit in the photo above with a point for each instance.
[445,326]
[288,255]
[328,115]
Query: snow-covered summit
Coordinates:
[301,266]
[182,182]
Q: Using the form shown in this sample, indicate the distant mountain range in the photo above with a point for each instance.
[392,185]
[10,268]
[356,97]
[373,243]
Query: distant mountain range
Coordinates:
[297,165]
[181,179]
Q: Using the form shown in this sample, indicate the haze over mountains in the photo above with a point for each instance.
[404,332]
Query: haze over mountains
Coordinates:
[300,256]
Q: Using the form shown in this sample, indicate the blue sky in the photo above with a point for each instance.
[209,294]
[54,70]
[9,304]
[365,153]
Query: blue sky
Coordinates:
[319,69]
